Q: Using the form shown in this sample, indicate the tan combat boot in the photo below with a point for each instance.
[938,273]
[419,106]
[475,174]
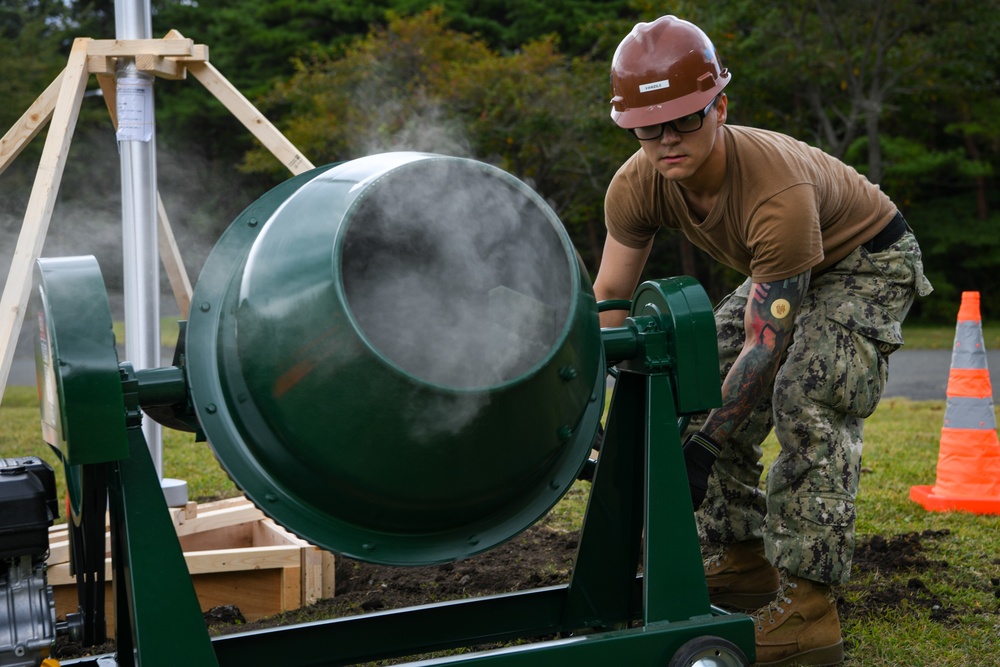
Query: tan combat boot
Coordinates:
[740,578]
[800,627]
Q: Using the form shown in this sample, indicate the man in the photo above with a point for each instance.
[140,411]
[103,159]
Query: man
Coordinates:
[832,271]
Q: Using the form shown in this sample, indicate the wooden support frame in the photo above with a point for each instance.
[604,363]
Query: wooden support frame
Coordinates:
[59,105]
[235,555]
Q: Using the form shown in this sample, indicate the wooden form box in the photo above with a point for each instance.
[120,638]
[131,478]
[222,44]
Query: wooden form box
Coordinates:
[235,555]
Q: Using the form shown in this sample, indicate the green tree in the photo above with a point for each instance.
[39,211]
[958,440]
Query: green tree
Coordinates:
[418,84]
[581,26]
[89,18]
[33,55]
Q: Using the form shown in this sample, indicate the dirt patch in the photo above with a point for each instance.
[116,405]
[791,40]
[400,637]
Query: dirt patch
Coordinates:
[540,556]
[898,554]
[895,554]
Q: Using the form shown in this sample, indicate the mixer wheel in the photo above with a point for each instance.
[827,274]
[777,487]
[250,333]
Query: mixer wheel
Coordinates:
[709,651]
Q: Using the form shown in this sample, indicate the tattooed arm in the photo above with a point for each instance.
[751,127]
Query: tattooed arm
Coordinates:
[769,319]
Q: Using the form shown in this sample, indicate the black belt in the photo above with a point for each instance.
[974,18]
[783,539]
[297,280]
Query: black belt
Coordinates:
[889,234]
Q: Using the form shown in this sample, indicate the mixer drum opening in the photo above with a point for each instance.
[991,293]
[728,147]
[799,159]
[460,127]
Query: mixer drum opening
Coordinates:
[455,276]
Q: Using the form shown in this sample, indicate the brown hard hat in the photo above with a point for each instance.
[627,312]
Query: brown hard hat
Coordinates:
[664,70]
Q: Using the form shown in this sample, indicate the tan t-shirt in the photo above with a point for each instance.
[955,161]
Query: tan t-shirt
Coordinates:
[784,207]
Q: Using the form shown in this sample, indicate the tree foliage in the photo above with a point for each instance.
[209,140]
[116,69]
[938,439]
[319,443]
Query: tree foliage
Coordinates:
[418,84]
[31,50]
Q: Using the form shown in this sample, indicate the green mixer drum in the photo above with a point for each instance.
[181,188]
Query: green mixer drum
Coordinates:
[398,357]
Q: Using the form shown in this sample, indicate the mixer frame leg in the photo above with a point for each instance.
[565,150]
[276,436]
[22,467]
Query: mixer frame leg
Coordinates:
[639,511]
[674,575]
[158,620]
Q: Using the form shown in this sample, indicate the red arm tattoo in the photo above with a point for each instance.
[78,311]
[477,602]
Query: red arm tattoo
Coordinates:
[769,320]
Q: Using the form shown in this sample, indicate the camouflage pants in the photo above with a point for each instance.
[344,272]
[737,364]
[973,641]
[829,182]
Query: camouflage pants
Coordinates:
[831,378]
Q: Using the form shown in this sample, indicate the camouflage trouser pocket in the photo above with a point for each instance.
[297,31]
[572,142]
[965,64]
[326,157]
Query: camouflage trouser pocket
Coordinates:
[858,338]
[814,536]
[831,510]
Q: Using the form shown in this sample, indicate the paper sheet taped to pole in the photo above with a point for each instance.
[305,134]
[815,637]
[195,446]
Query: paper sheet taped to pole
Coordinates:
[135,109]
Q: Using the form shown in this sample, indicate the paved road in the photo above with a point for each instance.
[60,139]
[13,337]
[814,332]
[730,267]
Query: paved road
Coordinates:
[923,374]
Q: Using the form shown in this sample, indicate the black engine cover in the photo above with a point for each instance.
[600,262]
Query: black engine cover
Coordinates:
[28,506]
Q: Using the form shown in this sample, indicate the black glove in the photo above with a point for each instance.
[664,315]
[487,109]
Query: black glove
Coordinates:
[700,452]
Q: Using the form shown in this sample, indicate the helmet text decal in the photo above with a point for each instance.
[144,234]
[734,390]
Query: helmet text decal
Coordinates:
[656,85]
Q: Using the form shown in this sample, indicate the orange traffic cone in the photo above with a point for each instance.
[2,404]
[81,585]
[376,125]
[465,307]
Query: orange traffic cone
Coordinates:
[968,470]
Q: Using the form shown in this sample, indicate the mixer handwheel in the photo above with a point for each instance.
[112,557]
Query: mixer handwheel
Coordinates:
[709,651]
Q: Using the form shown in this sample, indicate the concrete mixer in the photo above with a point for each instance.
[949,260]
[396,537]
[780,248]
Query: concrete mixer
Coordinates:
[399,359]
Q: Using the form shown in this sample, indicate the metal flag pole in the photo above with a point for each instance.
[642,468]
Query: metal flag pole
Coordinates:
[137,147]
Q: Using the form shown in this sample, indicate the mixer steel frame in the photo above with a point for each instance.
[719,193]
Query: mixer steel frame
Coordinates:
[638,517]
